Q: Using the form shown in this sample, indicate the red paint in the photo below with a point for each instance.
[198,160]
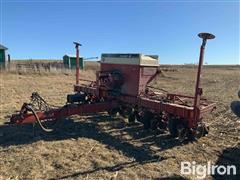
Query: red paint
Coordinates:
[63,112]
[77,61]
[135,77]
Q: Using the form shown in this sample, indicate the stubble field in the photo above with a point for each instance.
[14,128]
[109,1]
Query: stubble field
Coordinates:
[100,147]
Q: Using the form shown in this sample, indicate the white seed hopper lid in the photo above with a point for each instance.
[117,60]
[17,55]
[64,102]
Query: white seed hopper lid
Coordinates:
[131,59]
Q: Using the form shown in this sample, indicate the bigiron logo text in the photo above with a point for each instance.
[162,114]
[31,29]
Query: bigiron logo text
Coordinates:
[201,171]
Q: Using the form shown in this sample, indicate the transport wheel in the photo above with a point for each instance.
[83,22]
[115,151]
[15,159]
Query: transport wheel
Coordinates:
[178,128]
[157,122]
[146,119]
[173,126]
[183,132]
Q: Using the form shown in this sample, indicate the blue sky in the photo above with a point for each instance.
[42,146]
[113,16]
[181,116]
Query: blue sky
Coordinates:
[46,29]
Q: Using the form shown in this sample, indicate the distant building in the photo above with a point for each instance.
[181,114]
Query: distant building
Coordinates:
[3,56]
[69,61]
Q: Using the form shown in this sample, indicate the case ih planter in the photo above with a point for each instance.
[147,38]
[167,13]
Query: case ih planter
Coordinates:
[121,86]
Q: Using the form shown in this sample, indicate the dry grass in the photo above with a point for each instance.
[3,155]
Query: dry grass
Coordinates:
[97,147]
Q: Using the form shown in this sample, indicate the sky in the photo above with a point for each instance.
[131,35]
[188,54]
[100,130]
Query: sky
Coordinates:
[46,29]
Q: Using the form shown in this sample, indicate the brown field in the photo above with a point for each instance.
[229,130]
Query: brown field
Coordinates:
[98,147]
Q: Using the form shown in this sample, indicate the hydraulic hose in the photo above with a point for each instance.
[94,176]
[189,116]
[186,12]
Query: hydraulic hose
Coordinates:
[38,120]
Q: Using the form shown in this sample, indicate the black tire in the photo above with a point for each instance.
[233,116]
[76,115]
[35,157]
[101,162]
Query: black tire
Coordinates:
[173,127]
[162,125]
[182,132]
[146,120]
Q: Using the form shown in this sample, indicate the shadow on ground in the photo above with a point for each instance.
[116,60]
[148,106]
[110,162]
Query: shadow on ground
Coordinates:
[229,156]
[171,178]
[90,128]
[235,106]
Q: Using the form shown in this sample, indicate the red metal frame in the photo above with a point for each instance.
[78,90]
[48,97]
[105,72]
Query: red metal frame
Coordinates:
[65,111]
[133,95]
[77,61]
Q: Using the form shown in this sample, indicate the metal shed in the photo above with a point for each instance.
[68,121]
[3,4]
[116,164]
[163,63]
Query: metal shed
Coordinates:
[3,56]
[69,61]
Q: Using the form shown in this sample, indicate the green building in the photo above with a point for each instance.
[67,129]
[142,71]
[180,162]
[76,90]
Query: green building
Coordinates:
[69,61]
[2,56]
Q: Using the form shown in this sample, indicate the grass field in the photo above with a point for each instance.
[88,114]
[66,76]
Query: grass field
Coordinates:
[98,147]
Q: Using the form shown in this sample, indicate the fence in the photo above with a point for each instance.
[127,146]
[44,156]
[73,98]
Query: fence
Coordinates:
[44,66]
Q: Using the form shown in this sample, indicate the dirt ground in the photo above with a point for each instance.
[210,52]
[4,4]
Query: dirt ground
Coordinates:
[100,147]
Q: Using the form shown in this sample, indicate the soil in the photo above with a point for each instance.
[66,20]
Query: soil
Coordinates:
[99,147]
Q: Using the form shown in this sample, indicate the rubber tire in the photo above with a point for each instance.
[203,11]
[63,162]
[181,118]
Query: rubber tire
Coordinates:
[172,127]
[146,120]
